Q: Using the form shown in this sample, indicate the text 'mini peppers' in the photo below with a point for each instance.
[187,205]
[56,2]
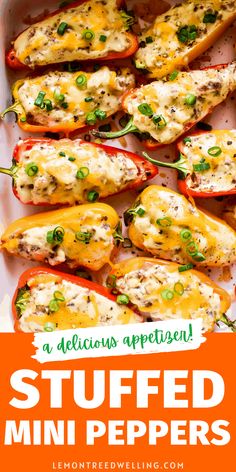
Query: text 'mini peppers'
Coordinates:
[67,101]
[83,30]
[206,164]
[168,226]
[47,300]
[83,235]
[168,108]
[181,34]
[165,290]
[60,172]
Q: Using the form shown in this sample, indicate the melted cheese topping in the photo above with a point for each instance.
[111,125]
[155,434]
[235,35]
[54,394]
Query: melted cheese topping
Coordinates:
[82,307]
[168,99]
[214,239]
[165,52]
[221,176]
[97,220]
[105,87]
[40,44]
[56,181]
[145,287]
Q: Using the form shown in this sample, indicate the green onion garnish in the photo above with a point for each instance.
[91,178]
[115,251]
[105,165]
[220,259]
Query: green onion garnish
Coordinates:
[56,235]
[62,28]
[62,154]
[48,104]
[199,257]
[40,98]
[88,35]
[167,294]
[100,114]
[83,236]
[59,296]
[59,97]
[145,109]
[214,151]
[179,288]
[91,118]
[49,327]
[88,99]
[103,38]
[173,75]
[192,249]
[64,105]
[53,305]
[81,80]
[164,222]
[190,99]
[71,159]
[185,235]
[111,281]
[122,299]
[210,17]
[92,196]
[82,173]
[140,212]
[187,140]
[201,167]
[149,40]
[187,33]
[185,267]
[159,120]
[31,169]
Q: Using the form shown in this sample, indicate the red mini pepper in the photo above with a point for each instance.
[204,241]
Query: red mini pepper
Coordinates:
[150,142]
[145,169]
[14,63]
[189,179]
[22,290]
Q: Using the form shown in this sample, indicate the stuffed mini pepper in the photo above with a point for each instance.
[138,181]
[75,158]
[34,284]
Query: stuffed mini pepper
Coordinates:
[78,236]
[47,300]
[164,290]
[168,226]
[166,109]
[83,30]
[66,101]
[51,172]
[206,164]
[181,34]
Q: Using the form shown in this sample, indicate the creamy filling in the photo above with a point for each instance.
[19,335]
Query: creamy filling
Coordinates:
[193,298]
[103,88]
[179,103]
[58,163]
[159,44]
[80,307]
[41,44]
[215,241]
[221,175]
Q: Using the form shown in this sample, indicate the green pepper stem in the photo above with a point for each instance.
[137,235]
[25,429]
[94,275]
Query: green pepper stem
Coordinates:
[12,108]
[129,128]
[231,324]
[180,165]
[6,171]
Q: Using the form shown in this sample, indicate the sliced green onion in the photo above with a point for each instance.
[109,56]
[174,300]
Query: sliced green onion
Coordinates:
[48,104]
[140,212]
[88,99]
[50,238]
[173,75]
[190,99]
[59,97]
[185,267]
[149,40]
[145,109]
[82,173]
[179,288]
[83,236]
[88,35]
[92,196]
[53,305]
[122,299]
[59,296]
[49,327]
[164,222]
[167,294]
[58,234]
[186,34]
[62,28]
[199,257]
[192,249]
[187,140]
[100,114]
[201,167]
[103,38]
[31,169]
[62,154]
[40,98]
[111,281]
[210,17]
[214,151]
[64,105]
[185,235]
[81,80]
[91,118]
[160,121]
[71,159]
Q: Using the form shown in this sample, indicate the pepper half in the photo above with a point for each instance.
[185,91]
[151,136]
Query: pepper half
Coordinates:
[168,226]
[206,164]
[181,34]
[61,172]
[165,290]
[83,235]
[164,110]
[62,36]
[47,300]
[67,101]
